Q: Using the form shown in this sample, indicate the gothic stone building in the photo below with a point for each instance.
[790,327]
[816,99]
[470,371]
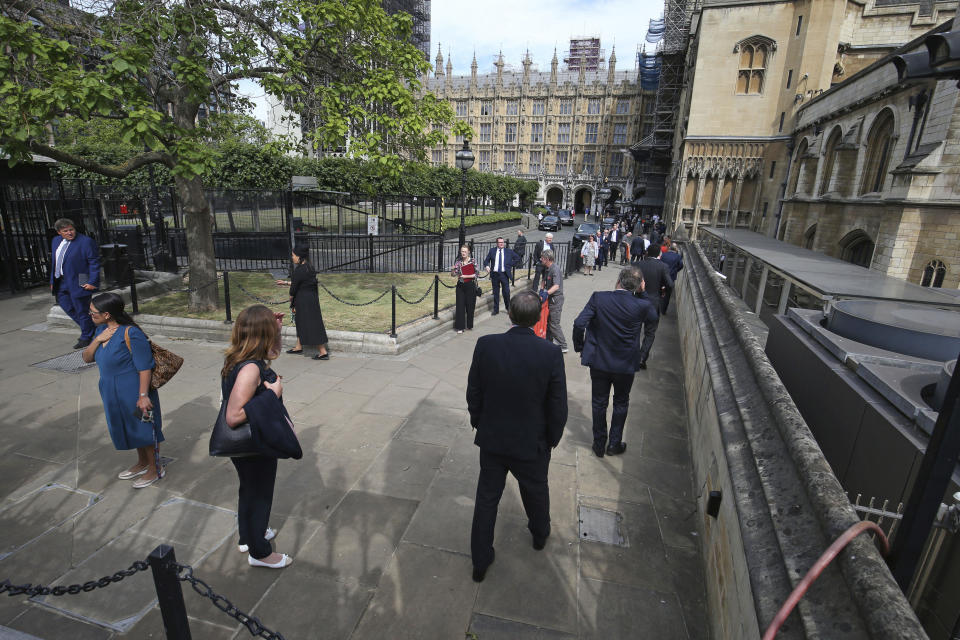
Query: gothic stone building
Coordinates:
[795,125]
[567,130]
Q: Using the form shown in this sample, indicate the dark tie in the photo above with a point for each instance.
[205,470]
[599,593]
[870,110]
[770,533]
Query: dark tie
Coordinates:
[500,260]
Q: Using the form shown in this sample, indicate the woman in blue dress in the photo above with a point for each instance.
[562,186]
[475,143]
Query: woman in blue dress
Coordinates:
[132,408]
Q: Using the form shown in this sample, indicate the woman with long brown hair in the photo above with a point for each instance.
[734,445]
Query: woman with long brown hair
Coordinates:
[255,341]
[465,270]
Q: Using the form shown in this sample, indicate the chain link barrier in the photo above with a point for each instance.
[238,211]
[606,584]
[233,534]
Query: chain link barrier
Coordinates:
[144,275]
[347,302]
[258,298]
[33,591]
[252,623]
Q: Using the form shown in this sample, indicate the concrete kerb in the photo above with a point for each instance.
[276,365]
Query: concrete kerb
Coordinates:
[410,335]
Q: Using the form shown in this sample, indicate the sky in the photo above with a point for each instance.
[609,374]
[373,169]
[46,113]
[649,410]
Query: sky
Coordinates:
[515,26]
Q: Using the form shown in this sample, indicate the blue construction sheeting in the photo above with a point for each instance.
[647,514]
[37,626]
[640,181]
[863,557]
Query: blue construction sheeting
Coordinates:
[650,62]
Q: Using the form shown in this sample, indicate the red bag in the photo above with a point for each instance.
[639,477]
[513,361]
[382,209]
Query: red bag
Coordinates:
[541,327]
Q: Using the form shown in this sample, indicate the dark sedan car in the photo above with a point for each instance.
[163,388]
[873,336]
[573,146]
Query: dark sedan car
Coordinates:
[566,217]
[586,230]
[549,223]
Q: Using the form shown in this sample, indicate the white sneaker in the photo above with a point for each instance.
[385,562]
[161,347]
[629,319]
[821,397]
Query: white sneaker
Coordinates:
[269,535]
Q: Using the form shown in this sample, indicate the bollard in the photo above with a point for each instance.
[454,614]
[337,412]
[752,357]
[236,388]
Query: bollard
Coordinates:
[436,296]
[163,562]
[529,265]
[134,301]
[393,311]
[226,297]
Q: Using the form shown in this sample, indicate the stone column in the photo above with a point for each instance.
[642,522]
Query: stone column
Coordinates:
[736,203]
[717,194]
[696,204]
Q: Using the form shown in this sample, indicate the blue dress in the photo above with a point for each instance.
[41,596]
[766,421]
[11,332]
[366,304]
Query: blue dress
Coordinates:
[120,387]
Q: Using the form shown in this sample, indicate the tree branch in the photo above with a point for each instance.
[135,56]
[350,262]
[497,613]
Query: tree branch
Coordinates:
[111,171]
[256,72]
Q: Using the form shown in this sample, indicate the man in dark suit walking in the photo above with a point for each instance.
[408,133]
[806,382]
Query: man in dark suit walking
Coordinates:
[674,262]
[515,432]
[607,333]
[75,275]
[499,263]
[656,275]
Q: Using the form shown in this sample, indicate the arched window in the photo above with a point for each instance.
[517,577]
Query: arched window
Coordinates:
[879,148]
[799,162]
[829,160]
[857,247]
[753,52]
[809,237]
[933,274]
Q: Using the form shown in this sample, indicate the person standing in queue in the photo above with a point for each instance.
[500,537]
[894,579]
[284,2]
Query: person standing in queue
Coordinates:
[553,292]
[499,264]
[465,270]
[123,356]
[305,305]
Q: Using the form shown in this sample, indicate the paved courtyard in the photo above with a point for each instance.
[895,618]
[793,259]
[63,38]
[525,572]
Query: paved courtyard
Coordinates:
[377,513]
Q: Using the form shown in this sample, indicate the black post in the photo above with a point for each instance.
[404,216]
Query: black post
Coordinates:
[370,252]
[928,489]
[436,296]
[393,311]
[440,265]
[529,265]
[288,209]
[163,562]
[463,206]
[134,301]
[226,296]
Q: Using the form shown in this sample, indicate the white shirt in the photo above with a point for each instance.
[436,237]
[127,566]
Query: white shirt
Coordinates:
[58,261]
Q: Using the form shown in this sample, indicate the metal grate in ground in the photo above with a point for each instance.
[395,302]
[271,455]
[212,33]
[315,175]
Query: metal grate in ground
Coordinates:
[600,525]
[69,363]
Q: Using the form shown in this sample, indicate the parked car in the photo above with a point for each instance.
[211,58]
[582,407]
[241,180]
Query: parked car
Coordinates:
[566,217]
[586,230]
[549,223]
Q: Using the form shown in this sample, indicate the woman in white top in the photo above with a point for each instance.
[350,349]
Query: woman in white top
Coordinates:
[589,254]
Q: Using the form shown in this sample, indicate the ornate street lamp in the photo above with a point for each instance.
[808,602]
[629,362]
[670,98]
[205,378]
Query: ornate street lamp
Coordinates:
[603,194]
[464,162]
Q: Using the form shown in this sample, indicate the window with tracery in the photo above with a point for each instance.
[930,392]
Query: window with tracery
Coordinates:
[754,54]
[830,161]
[879,148]
[933,274]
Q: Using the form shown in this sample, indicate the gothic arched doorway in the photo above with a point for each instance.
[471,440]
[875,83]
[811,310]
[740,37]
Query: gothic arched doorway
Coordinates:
[582,199]
[554,198]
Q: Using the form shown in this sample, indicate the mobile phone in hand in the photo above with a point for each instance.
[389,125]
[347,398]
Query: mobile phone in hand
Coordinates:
[141,416]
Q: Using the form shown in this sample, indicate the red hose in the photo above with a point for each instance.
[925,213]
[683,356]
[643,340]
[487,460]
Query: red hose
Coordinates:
[818,568]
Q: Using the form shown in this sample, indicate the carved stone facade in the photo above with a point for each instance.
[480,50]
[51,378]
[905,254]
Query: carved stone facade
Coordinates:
[569,130]
[794,125]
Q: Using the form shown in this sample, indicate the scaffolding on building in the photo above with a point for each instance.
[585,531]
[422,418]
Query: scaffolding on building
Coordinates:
[662,65]
[585,52]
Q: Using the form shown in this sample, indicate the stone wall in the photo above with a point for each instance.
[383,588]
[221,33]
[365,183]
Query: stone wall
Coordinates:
[781,504]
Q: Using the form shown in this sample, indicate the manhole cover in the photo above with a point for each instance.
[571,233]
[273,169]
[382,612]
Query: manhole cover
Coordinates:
[600,525]
[70,363]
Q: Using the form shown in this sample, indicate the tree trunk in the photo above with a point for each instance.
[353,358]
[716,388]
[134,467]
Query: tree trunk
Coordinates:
[199,231]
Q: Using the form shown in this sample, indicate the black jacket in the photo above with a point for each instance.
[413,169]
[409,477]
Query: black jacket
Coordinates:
[609,330]
[656,276]
[517,394]
[520,246]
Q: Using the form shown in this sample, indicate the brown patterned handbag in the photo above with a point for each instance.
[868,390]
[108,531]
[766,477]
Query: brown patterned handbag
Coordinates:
[167,363]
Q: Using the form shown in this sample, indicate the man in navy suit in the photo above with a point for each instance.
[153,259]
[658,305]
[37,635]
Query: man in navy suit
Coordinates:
[674,262]
[499,264]
[608,333]
[515,432]
[75,275]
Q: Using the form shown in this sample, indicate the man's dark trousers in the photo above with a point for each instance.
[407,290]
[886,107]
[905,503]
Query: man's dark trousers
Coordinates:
[649,333]
[78,308]
[531,475]
[601,381]
[498,280]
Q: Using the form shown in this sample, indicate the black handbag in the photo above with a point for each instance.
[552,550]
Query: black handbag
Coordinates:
[233,442]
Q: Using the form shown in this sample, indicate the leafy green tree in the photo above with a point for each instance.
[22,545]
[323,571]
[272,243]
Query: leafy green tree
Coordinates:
[154,67]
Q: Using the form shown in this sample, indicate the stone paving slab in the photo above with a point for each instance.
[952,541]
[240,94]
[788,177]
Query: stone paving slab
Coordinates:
[377,515]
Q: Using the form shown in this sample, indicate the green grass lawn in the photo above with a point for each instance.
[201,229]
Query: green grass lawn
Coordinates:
[352,287]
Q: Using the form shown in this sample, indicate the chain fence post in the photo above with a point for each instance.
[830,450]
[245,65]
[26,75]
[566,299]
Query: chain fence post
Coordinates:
[163,563]
[226,297]
[436,296]
[440,252]
[134,299]
[393,311]
[370,252]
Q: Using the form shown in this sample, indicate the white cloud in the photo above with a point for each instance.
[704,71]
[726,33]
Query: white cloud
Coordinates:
[514,26]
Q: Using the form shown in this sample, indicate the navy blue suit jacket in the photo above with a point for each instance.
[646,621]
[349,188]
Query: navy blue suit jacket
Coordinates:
[510,258]
[517,394]
[674,261]
[82,260]
[613,322]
